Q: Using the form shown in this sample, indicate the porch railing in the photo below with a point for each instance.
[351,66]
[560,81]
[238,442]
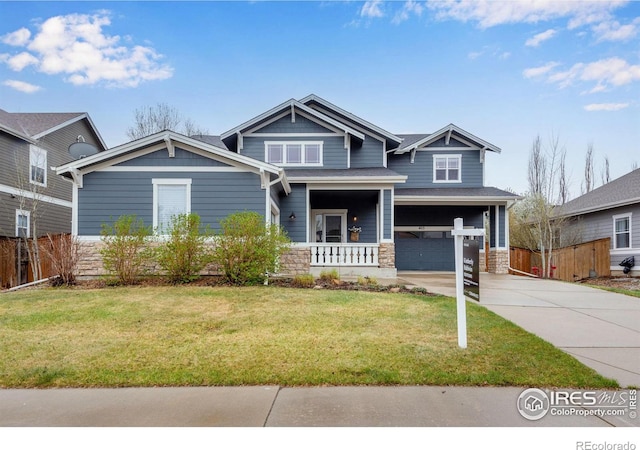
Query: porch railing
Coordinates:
[344,254]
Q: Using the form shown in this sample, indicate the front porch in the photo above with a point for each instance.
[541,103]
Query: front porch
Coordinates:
[373,260]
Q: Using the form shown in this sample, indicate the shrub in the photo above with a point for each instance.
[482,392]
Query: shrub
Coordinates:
[125,252]
[62,252]
[185,253]
[329,275]
[247,249]
[367,281]
[304,280]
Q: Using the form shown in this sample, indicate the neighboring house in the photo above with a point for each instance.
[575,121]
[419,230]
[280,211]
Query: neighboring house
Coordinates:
[610,211]
[30,193]
[350,194]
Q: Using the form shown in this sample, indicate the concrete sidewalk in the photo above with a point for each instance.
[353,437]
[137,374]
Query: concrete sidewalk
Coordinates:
[601,329]
[271,406]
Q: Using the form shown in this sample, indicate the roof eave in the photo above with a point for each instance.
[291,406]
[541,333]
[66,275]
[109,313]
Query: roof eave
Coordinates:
[599,208]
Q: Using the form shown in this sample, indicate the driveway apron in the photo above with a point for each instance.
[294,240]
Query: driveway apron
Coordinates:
[601,329]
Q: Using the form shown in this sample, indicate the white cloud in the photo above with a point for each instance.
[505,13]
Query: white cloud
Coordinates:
[372,9]
[605,74]
[76,46]
[21,60]
[21,86]
[409,7]
[612,30]
[18,38]
[474,55]
[540,37]
[606,106]
[534,72]
[490,13]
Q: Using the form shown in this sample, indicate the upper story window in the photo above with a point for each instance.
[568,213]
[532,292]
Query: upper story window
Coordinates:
[171,197]
[447,168]
[37,165]
[622,231]
[294,153]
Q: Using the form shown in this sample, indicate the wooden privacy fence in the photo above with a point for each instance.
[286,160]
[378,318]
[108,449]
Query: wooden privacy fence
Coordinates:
[15,268]
[576,262]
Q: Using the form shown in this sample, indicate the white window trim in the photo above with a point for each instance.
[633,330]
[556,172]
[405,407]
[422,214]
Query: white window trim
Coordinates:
[303,144]
[448,157]
[21,212]
[331,212]
[41,153]
[164,182]
[615,241]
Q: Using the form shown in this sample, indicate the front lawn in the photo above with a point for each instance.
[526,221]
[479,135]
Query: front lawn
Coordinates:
[178,336]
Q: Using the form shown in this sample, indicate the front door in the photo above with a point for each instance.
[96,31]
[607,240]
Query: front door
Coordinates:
[329,226]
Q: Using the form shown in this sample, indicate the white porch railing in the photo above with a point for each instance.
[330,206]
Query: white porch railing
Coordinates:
[344,254]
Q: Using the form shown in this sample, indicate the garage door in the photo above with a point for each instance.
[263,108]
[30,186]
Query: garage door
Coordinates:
[425,250]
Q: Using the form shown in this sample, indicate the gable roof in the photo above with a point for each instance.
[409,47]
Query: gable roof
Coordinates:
[447,132]
[313,99]
[77,168]
[33,126]
[619,192]
[291,105]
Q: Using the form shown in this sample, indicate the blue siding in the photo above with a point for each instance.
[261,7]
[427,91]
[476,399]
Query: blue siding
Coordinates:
[502,217]
[295,202]
[301,125]
[361,204]
[334,154]
[108,195]
[388,212]
[420,173]
[182,158]
[369,154]
[438,215]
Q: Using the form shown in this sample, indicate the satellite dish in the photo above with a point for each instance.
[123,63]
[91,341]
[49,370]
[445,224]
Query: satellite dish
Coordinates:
[81,150]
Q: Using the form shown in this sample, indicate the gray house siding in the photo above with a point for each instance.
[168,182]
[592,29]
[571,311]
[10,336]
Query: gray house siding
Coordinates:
[600,224]
[420,172]
[14,172]
[438,215]
[107,195]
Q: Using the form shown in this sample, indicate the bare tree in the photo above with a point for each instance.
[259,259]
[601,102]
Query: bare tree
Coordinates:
[589,177]
[534,222]
[152,119]
[634,165]
[605,176]
[537,169]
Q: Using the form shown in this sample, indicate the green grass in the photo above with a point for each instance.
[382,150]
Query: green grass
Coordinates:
[633,293]
[177,336]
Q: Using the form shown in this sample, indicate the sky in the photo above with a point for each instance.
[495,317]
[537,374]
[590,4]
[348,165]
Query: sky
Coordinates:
[506,72]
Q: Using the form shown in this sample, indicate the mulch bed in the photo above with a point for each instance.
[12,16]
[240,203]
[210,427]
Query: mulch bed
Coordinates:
[628,283]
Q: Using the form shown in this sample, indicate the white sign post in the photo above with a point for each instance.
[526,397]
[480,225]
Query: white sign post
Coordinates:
[461,307]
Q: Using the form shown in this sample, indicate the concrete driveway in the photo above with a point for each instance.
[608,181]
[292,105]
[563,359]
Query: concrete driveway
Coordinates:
[601,329]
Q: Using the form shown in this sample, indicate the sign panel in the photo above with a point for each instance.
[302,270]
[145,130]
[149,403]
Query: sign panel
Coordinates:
[471,268]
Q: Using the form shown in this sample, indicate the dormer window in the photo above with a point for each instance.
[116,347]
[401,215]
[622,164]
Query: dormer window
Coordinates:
[294,153]
[447,168]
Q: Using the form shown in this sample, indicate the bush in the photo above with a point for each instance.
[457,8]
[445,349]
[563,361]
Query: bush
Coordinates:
[329,275]
[125,253]
[247,249]
[304,281]
[185,252]
[367,281]
[62,252]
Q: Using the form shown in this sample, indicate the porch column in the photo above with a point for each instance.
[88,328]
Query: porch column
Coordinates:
[498,261]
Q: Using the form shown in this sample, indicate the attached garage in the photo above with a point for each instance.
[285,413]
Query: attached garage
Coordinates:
[424,250]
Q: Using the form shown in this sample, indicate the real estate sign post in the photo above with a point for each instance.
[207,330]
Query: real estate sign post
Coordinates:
[459,234]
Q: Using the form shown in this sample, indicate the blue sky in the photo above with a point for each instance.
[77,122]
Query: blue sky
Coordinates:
[504,71]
